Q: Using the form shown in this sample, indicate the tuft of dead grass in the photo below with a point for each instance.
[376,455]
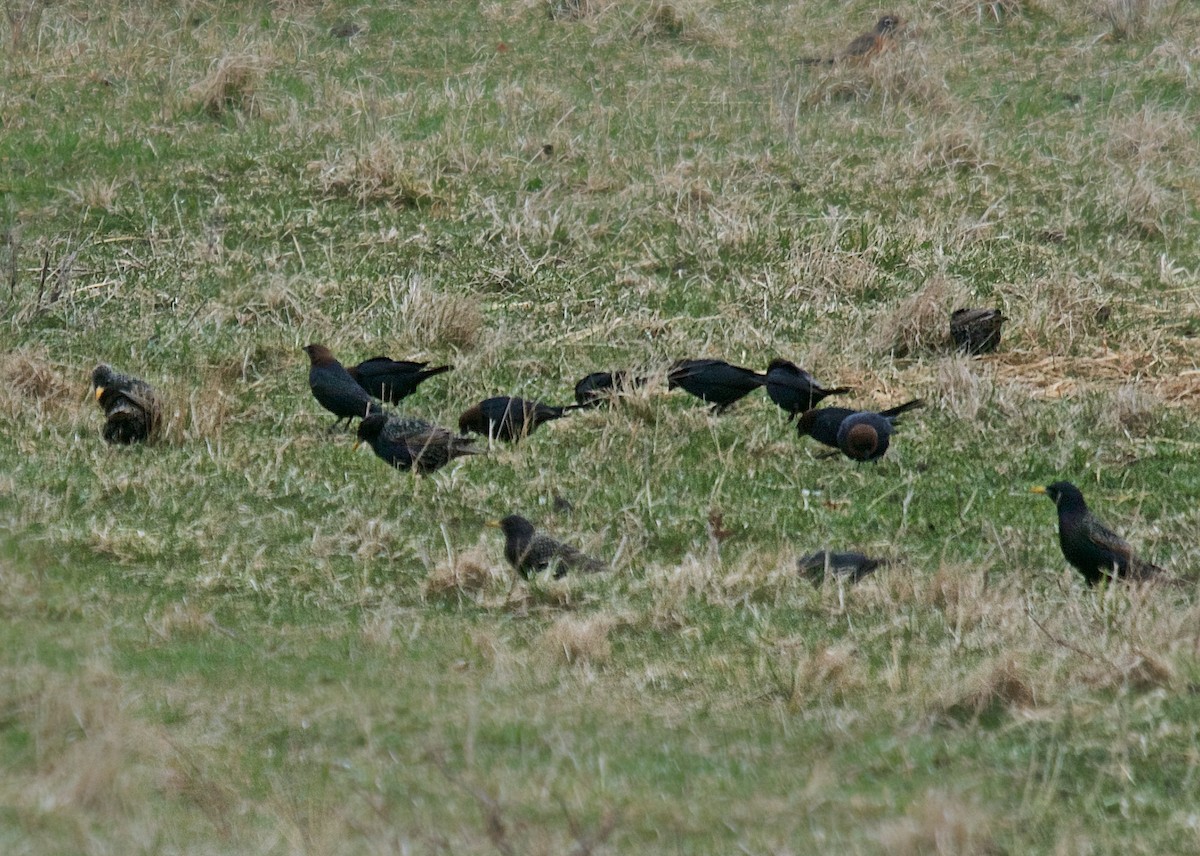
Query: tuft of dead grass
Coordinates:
[439,320]
[580,640]
[939,824]
[921,321]
[467,575]
[231,86]
[382,172]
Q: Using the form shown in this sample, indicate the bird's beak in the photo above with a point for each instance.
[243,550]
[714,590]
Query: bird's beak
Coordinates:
[99,392]
[1038,489]
[495,524]
[357,443]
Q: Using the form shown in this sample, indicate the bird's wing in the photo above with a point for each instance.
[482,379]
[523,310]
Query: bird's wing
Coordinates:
[1106,539]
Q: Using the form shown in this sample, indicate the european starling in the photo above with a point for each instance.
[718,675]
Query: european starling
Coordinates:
[794,389]
[976,331]
[334,388]
[414,444]
[1095,550]
[509,419]
[852,566]
[132,413]
[392,380]
[714,381]
[823,423]
[597,387]
[528,550]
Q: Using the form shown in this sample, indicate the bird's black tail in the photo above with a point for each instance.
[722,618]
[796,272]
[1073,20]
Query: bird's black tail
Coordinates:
[893,412]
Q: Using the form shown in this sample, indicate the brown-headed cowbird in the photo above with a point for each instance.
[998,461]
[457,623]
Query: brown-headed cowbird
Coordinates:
[715,381]
[334,388]
[1095,550]
[794,389]
[597,387]
[529,551]
[823,423]
[132,412]
[392,380]
[976,331]
[848,565]
[408,443]
[509,418]
[865,436]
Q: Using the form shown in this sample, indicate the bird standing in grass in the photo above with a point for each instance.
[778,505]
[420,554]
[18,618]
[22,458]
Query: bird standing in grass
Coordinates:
[509,419]
[408,443]
[865,46]
[976,331]
[715,381]
[529,551]
[794,389]
[1091,547]
[848,565]
[597,387]
[869,439]
[132,413]
[392,380]
[334,388]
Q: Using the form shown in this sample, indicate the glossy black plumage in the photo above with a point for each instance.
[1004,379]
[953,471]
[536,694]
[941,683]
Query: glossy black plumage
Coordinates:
[392,380]
[529,551]
[132,412]
[976,331]
[509,418]
[848,565]
[822,423]
[334,388]
[597,387]
[1091,547]
[408,443]
[794,389]
[715,381]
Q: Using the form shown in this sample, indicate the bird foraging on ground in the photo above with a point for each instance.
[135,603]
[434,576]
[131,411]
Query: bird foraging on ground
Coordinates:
[715,381]
[334,388]
[597,387]
[529,551]
[794,389]
[864,46]
[415,444]
[869,439]
[976,331]
[132,412]
[1091,547]
[392,380]
[509,418]
[848,565]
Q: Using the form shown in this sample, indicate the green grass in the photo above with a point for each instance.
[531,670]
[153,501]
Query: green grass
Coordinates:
[245,638]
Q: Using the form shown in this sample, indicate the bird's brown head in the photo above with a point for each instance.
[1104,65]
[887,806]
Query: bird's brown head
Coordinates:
[861,442]
[319,355]
[888,24]
[472,419]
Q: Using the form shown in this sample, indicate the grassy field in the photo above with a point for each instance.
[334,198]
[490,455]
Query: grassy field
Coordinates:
[248,639]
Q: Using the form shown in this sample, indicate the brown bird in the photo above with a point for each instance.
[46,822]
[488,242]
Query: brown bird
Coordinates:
[529,551]
[408,443]
[849,565]
[392,380]
[334,388]
[509,418]
[976,331]
[1091,547]
[865,46]
[132,412]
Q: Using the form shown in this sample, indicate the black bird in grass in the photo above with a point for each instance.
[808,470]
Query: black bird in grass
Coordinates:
[529,551]
[824,425]
[408,443]
[334,388]
[794,389]
[715,381]
[976,331]
[1091,547]
[848,565]
[595,388]
[392,380]
[132,412]
[509,419]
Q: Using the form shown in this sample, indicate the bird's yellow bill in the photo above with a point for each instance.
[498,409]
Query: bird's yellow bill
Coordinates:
[495,524]
[99,392]
[357,443]
[1038,489]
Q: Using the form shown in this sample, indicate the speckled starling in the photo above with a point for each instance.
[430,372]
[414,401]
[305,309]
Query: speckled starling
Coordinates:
[408,443]
[132,412]
[509,419]
[334,388]
[392,380]
[794,389]
[715,381]
[529,551]
[976,331]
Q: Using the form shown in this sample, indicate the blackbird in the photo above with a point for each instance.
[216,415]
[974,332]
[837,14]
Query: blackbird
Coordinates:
[823,423]
[850,565]
[714,381]
[392,380]
[865,436]
[976,331]
[1095,550]
[132,413]
[594,389]
[529,551]
[334,388]
[408,443]
[794,389]
[509,419]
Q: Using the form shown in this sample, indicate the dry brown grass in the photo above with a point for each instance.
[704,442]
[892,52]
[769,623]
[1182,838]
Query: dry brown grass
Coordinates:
[941,824]
[579,640]
[921,322]
[232,86]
